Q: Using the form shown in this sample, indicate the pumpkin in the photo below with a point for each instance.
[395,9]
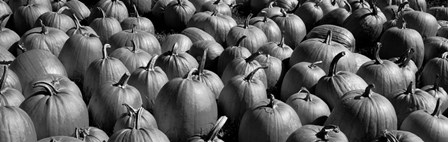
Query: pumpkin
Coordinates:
[358,4]
[310,108]
[105,27]
[293,26]
[178,13]
[80,29]
[148,80]
[310,12]
[366,25]
[355,106]
[91,134]
[336,17]
[198,4]
[270,10]
[208,77]
[55,111]
[114,9]
[26,15]
[138,133]
[408,67]
[218,5]
[339,34]
[16,125]
[419,5]
[317,49]
[274,72]
[140,23]
[334,85]
[398,136]
[396,41]
[178,105]
[8,36]
[255,124]
[303,74]
[157,12]
[242,93]
[439,12]
[59,139]
[437,92]
[35,63]
[277,49]
[132,57]
[78,8]
[430,126]
[142,6]
[196,34]
[144,40]
[327,5]
[175,63]
[434,47]
[183,42]
[288,5]
[422,22]
[9,96]
[214,50]
[78,52]
[409,100]
[101,71]
[213,135]
[57,20]
[11,80]
[256,6]
[127,120]
[434,66]
[317,133]
[16,4]
[386,74]
[5,11]
[243,66]
[268,26]
[105,107]
[216,24]
[255,37]
[59,82]
[230,53]
[5,55]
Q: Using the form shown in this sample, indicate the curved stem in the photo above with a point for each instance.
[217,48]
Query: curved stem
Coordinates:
[179,2]
[389,136]
[334,63]
[173,49]
[3,19]
[410,90]
[246,22]
[202,64]
[282,40]
[265,17]
[377,54]
[445,55]
[436,83]
[401,6]
[77,134]
[218,126]
[284,14]
[136,11]
[250,76]
[105,50]
[308,94]
[349,7]
[368,90]
[152,63]
[372,5]
[215,12]
[329,37]
[314,64]
[49,87]
[323,133]
[137,119]
[42,25]
[102,12]
[252,57]
[131,111]
[123,81]
[437,109]
[190,73]
[2,81]
[238,43]
[77,24]
[134,46]
[394,14]
[60,10]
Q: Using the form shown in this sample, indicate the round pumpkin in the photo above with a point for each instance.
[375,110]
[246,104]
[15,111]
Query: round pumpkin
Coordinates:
[176,63]
[178,13]
[268,26]
[144,40]
[56,20]
[8,36]
[44,37]
[16,125]
[310,108]
[132,57]
[230,53]
[303,74]
[255,37]
[127,120]
[114,9]
[26,15]
[140,23]
[216,24]
[105,27]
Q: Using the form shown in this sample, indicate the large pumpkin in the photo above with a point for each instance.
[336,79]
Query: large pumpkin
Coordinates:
[55,111]
[56,20]
[357,105]
[26,15]
[268,26]
[438,65]
[216,24]
[16,126]
[178,105]
[293,27]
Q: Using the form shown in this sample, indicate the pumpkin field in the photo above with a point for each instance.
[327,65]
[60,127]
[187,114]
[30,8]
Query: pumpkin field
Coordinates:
[223,71]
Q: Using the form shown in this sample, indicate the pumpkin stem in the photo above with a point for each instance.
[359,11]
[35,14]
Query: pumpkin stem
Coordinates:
[42,25]
[123,81]
[218,126]
[103,14]
[77,24]
[401,6]
[49,87]
[2,81]
[137,119]
[131,111]
[152,63]
[265,17]
[404,60]
[238,43]
[2,19]
[217,2]
[250,76]
[215,12]
[190,73]
[282,40]
[387,137]
[136,11]
[6,63]
[308,94]
[436,83]
[349,7]
[314,64]
[21,47]
[394,14]
[368,90]
[410,90]
[252,57]
[60,10]
[173,49]
[134,46]
[323,133]
[334,63]
[204,58]
[77,134]
[403,25]
[374,10]
[179,2]
[377,53]
[437,109]
[105,50]
[283,12]
[246,22]
[329,37]
[271,101]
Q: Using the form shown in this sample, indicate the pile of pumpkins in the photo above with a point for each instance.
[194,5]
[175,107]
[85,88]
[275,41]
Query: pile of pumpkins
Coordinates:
[230,70]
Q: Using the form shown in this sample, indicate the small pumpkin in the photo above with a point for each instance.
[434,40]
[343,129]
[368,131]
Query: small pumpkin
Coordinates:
[91,134]
[255,37]
[230,53]
[214,50]
[26,15]
[105,27]
[44,37]
[114,9]
[176,63]
[132,57]
[127,120]
[56,20]
[268,26]
[437,92]
[310,108]
[218,5]
[303,74]
[178,13]
[243,66]
[216,24]
[140,23]
[318,133]
[277,49]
